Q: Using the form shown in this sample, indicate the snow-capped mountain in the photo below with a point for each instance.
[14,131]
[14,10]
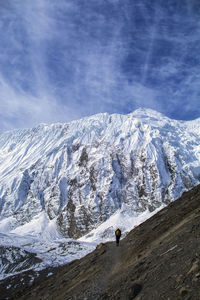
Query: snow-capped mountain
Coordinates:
[83,179]
[81,173]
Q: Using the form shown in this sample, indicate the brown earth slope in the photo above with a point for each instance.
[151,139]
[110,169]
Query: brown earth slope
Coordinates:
[160,259]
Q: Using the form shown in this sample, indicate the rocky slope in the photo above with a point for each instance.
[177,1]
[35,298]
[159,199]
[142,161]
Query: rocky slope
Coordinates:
[159,259]
[13,259]
[82,172]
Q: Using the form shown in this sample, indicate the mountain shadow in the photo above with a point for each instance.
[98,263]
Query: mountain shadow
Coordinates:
[159,259]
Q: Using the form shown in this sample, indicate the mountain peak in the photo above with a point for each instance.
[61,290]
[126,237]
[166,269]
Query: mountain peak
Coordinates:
[147,112]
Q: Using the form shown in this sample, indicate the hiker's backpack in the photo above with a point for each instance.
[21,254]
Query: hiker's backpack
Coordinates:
[118,232]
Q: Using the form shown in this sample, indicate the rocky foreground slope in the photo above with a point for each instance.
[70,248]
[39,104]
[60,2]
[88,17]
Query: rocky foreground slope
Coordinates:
[159,259]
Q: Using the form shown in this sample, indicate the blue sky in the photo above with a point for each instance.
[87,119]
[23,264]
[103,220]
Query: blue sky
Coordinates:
[67,59]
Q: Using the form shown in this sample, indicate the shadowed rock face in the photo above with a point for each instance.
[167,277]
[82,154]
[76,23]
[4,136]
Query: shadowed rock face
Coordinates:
[82,172]
[14,259]
[157,260]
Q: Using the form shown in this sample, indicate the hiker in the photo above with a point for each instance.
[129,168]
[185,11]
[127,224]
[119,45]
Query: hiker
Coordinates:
[118,235]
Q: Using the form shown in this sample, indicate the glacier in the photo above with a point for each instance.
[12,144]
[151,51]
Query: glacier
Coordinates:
[72,183]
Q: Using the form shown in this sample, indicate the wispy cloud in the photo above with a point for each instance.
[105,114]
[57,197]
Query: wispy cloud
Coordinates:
[61,60]
[19,109]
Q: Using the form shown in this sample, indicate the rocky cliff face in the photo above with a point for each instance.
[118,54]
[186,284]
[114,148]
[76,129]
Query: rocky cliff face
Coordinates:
[82,172]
